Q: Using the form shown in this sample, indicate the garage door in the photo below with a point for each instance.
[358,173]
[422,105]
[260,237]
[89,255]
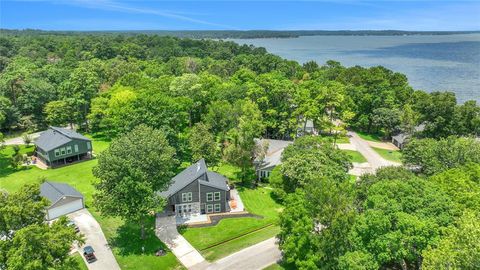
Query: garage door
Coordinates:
[65,209]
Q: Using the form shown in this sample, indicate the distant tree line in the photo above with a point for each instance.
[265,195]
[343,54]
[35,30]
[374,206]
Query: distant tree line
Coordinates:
[241,34]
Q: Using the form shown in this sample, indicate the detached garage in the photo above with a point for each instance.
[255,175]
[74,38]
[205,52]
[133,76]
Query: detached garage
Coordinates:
[64,199]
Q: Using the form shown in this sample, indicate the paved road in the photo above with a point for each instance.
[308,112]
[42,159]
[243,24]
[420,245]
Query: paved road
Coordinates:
[94,237]
[19,140]
[254,257]
[376,161]
[166,231]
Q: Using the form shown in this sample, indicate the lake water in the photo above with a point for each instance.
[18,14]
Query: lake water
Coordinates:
[431,63]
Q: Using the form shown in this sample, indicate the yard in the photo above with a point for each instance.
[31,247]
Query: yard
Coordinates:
[355,156]
[369,137]
[123,237]
[213,242]
[392,155]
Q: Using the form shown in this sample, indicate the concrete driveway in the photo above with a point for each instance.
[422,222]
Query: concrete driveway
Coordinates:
[166,231]
[94,237]
[376,161]
[255,257]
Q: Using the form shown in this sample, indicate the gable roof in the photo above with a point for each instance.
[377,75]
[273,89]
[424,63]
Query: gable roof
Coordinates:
[56,191]
[215,180]
[185,177]
[54,137]
[274,152]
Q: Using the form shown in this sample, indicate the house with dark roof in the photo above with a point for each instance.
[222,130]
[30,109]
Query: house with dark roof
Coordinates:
[272,157]
[401,139]
[196,190]
[57,146]
[64,199]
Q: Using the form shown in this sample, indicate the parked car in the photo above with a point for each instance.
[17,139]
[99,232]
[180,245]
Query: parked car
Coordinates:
[89,255]
[72,224]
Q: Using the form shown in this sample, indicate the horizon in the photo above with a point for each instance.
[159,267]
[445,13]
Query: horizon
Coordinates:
[340,15]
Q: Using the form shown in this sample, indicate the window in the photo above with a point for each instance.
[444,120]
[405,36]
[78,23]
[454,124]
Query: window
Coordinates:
[89,146]
[217,208]
[76,148]
[62,150]
[57,152]
[209,208]
[216,196]
[187,197]
[209,196]
[69,149]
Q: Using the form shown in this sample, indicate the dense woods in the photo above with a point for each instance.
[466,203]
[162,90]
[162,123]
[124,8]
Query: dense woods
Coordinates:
[186,99]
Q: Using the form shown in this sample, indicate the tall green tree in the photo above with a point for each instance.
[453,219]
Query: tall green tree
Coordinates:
[203,145]
[131,171]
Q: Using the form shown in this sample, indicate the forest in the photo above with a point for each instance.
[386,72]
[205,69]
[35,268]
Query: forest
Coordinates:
[211,99]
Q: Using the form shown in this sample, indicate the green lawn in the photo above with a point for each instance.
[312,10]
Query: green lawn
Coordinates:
[392,155]
[355,156]
[279,266]
[257,201]
[369,137]
[80,262]
[123,237]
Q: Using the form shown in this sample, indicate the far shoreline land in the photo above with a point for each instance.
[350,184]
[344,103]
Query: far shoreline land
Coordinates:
[240,34]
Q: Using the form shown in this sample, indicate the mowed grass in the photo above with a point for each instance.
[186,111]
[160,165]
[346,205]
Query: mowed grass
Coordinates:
[80,262]
[392,155]
[355,156]
[124,238]
[369,137]
[257,201]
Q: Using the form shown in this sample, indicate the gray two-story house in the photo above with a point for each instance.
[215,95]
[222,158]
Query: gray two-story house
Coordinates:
[57,146]
[196,190]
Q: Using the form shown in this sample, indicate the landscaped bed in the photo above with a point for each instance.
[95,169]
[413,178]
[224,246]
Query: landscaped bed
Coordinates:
[124,238]
[231,235]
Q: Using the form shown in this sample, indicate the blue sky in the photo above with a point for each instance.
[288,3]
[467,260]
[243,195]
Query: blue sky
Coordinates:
[238,15]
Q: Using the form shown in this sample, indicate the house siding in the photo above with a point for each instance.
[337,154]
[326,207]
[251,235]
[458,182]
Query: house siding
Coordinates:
[192,187]
[82,149]
[67,200]
[203,199]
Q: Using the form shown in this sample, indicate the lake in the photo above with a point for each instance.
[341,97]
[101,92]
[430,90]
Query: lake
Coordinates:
[431,62]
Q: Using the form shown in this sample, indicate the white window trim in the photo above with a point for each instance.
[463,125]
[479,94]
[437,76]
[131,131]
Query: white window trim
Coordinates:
[187,197]
[215,196]
[76,148]
[207,207]
[211,196]
[217,210]
[63,151]
[69,148]
[57,152]
[89,145]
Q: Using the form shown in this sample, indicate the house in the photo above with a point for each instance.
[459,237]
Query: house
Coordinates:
[196,190]
[64,199]
[401,139]
[272,158]
[57,146]
[306,128]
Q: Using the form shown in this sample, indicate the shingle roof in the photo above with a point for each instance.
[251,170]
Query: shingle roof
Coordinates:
[55,191]
[55,137]
[184,178]
[215,180]
[274,152]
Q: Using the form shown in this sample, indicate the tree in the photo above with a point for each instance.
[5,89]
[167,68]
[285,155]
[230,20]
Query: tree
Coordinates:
[400,216]
[27,139]
[432,156]
[241,145]
[460,249]
[387,120]
[59,113]
[408,119]
[131,171]
[28,242]
[203,145]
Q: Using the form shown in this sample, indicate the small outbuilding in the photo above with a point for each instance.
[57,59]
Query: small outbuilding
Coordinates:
[272,158]
[64,199]
[58,146]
